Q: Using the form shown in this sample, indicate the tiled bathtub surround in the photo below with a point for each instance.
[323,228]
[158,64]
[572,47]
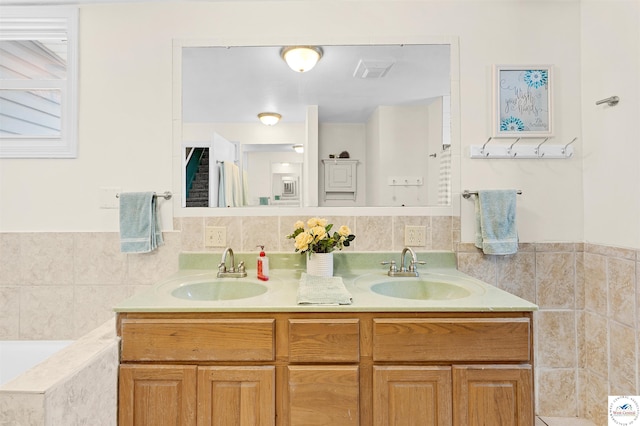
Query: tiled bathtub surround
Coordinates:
[61,285]
[75,387]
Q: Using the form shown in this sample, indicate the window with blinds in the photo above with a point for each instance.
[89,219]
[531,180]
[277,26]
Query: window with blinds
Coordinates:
[38,82]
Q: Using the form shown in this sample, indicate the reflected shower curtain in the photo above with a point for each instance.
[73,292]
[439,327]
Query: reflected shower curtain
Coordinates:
[230,193]
[444,178]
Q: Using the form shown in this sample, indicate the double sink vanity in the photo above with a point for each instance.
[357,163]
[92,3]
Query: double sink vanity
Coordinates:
[438,349]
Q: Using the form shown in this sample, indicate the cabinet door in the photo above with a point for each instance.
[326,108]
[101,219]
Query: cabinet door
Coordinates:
[492,395]
[340,177]
[159,395]
[236,396]
[323,395]
[411,396]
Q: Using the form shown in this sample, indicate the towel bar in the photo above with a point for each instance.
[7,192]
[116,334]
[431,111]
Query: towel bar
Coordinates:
[166,195]
[466,193]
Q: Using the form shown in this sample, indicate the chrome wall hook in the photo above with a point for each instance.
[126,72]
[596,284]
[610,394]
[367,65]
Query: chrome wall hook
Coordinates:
[537,150]
[485,144]
[611,101]
[509,150]
[564,150]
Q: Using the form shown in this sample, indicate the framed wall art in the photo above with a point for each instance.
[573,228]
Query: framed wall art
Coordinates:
[523,101]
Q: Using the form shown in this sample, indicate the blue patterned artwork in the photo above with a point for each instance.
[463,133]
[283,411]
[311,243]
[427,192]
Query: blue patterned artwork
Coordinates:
[523,104]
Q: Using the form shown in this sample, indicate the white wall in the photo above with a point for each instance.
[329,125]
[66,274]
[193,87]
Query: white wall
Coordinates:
[126,99]
[611,66]
[373,160]
[402,151]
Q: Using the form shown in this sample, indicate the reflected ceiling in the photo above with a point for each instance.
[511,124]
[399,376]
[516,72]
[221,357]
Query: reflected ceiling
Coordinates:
[251,80]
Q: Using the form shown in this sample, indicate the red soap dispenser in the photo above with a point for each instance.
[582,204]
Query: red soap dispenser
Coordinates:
[263,265]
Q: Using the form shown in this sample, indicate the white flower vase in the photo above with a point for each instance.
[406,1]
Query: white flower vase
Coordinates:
[320,264]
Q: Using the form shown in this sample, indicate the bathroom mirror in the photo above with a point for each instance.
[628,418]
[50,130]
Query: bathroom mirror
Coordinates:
[386,106]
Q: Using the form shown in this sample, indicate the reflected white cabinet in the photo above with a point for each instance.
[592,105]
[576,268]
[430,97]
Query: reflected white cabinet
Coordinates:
[340,179]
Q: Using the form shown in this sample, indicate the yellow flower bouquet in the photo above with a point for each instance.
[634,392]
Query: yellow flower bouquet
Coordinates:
[317,237]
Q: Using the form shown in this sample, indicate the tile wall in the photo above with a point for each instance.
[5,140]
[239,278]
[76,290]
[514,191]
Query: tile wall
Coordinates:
[588,326]
[59,286]
[62,285]
[610,325]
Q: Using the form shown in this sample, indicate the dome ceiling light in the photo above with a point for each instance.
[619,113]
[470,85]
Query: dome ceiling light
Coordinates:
[269,118]
[301,58]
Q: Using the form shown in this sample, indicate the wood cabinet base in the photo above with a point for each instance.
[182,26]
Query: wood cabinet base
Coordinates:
[306,369]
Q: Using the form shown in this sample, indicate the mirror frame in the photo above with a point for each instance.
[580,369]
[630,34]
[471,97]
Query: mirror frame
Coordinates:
[452,210]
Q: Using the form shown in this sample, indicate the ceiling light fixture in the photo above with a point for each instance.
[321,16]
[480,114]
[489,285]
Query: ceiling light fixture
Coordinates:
[301,58]
[269,118]
[299,148]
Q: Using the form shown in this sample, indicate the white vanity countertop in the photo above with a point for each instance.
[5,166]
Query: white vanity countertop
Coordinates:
[282,287]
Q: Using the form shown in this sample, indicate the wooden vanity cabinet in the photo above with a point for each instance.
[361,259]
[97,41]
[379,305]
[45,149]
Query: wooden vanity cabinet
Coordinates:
[352,368]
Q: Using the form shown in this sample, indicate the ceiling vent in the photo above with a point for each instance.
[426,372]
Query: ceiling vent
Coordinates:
[372,68]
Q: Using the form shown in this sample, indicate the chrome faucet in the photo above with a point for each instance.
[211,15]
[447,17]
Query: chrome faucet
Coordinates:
[233,272]
[404,271]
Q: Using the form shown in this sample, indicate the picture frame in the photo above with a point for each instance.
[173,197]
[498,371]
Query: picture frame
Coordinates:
[523,104]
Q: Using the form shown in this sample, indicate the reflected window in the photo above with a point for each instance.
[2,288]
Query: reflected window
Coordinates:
[38,63]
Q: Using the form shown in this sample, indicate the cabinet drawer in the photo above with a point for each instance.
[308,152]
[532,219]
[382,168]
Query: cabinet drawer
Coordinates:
[452,339]
[324,340]
[198,340]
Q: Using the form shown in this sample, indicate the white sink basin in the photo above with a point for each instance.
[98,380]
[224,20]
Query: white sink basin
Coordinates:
[221,289]
[428,287]
[421,290]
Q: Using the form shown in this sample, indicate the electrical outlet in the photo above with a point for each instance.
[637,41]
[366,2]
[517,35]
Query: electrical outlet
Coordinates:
[215,236]
[109,197]
[415,236]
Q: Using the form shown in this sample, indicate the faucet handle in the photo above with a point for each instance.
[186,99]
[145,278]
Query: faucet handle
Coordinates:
[241,267]
[392,265]
[222,267]
[412,265]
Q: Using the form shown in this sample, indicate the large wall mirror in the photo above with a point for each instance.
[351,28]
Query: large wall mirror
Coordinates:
[368,126]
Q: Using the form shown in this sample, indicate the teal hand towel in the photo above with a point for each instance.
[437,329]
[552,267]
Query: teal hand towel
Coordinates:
[496,231]
[139,225]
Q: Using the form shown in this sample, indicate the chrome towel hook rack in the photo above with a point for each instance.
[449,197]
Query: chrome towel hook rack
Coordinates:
[518,149]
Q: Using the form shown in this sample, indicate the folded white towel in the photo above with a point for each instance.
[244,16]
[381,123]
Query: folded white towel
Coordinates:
[313,289]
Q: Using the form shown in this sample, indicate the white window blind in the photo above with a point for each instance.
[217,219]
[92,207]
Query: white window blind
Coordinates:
[38,82]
